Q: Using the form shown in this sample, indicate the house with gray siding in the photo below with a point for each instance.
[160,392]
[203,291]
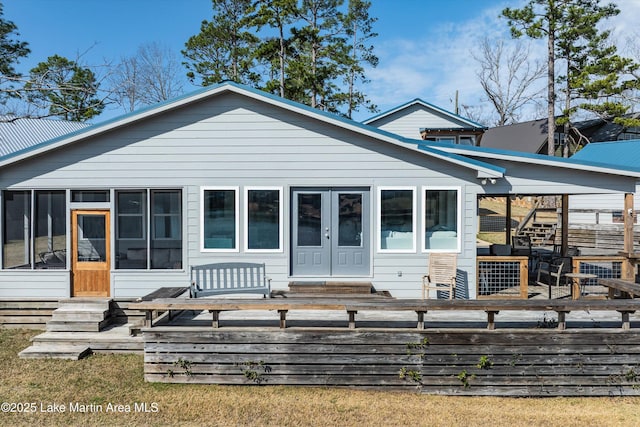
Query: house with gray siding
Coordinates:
[229,173]
[419,119]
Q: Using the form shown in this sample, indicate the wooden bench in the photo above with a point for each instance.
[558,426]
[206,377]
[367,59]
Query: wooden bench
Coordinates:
[165,292]
[353,306]
[627,288]
[229,278]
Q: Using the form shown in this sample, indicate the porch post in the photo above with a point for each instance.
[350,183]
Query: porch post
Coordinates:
[507,228]
[564,232]
[628,272]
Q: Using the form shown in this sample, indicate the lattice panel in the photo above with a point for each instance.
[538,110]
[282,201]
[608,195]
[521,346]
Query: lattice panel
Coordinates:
[500,278]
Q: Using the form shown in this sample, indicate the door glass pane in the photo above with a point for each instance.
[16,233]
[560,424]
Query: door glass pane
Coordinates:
[310,219]
[91,238]
[350,220]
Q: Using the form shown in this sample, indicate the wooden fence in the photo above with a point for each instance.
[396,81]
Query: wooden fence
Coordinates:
[526,362]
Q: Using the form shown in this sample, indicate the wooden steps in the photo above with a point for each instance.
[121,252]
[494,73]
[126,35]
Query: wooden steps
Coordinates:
[76,329]
[55,351]
[540,233]
[80,315]
[334,288]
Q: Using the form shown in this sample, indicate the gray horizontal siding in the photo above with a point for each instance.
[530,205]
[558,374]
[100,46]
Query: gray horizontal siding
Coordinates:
[35,284]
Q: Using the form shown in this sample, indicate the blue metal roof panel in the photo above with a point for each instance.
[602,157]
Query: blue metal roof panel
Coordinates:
[622,153]
[536,158]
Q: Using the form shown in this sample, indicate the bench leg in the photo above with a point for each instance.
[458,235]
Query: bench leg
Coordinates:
[626,324]
[562,321]
[352,319]
[283,318]
[491,316]
[216,318]
[420,319]
[148,318]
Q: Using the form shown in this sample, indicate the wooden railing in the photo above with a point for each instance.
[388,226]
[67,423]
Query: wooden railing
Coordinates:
[502,277]
[507,277]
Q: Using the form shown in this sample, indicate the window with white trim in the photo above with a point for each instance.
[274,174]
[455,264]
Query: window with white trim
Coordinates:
[220,219]
[396,219]
[441,217]
[263,219]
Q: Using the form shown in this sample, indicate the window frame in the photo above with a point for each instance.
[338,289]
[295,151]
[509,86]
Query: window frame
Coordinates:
[153,215]
[414,218]
[280,191]
[424,230]
[236,190]
[143,215]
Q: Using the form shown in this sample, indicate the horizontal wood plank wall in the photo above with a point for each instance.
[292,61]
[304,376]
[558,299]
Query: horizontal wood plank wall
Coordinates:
[538,362]
[27,314]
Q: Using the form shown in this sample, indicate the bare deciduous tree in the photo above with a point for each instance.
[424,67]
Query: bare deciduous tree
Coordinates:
[509,78]
[152,75]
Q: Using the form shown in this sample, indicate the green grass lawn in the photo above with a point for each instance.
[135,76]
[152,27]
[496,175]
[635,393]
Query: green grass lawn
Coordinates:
[111,389]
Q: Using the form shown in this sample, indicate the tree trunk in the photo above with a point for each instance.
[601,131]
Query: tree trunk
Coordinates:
[551,92]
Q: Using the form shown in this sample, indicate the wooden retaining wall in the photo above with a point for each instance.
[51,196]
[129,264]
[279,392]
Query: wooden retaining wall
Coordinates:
[537,362]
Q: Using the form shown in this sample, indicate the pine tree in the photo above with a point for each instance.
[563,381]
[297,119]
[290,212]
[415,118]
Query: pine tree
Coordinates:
[11,51]
[359,29]
[571,30]
[223,50]
[65,89]
[277,14]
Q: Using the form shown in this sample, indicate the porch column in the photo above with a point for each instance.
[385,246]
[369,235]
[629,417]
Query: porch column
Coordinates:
[628,266]
[564,232]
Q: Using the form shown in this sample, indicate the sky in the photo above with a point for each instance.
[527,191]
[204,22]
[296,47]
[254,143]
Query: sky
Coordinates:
[425,46]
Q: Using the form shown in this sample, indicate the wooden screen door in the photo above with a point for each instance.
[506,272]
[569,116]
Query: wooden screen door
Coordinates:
[90,253]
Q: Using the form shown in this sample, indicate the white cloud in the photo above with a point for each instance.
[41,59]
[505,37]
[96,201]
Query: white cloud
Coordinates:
[435,64]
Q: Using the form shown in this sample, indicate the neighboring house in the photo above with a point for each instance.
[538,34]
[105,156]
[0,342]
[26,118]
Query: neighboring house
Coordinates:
[18,133]
[419,119]
[531,136]
[229,173]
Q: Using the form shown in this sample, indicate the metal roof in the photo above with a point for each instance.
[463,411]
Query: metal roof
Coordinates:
[484,169]
[622,153]
[594,164]
[17,134]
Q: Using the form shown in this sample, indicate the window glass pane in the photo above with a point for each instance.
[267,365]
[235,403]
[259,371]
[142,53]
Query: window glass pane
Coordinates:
[16,227]
[166,241]
[396,219]
[219,219]
[50,229]
[166,214]
[131,242]
[309,219]
[441,219]
[89,196]
[263,210]
[350,220]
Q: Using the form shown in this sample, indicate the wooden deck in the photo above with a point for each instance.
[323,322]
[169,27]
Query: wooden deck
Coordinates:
[353,305]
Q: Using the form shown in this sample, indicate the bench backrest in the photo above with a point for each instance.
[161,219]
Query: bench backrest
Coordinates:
[229,277]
